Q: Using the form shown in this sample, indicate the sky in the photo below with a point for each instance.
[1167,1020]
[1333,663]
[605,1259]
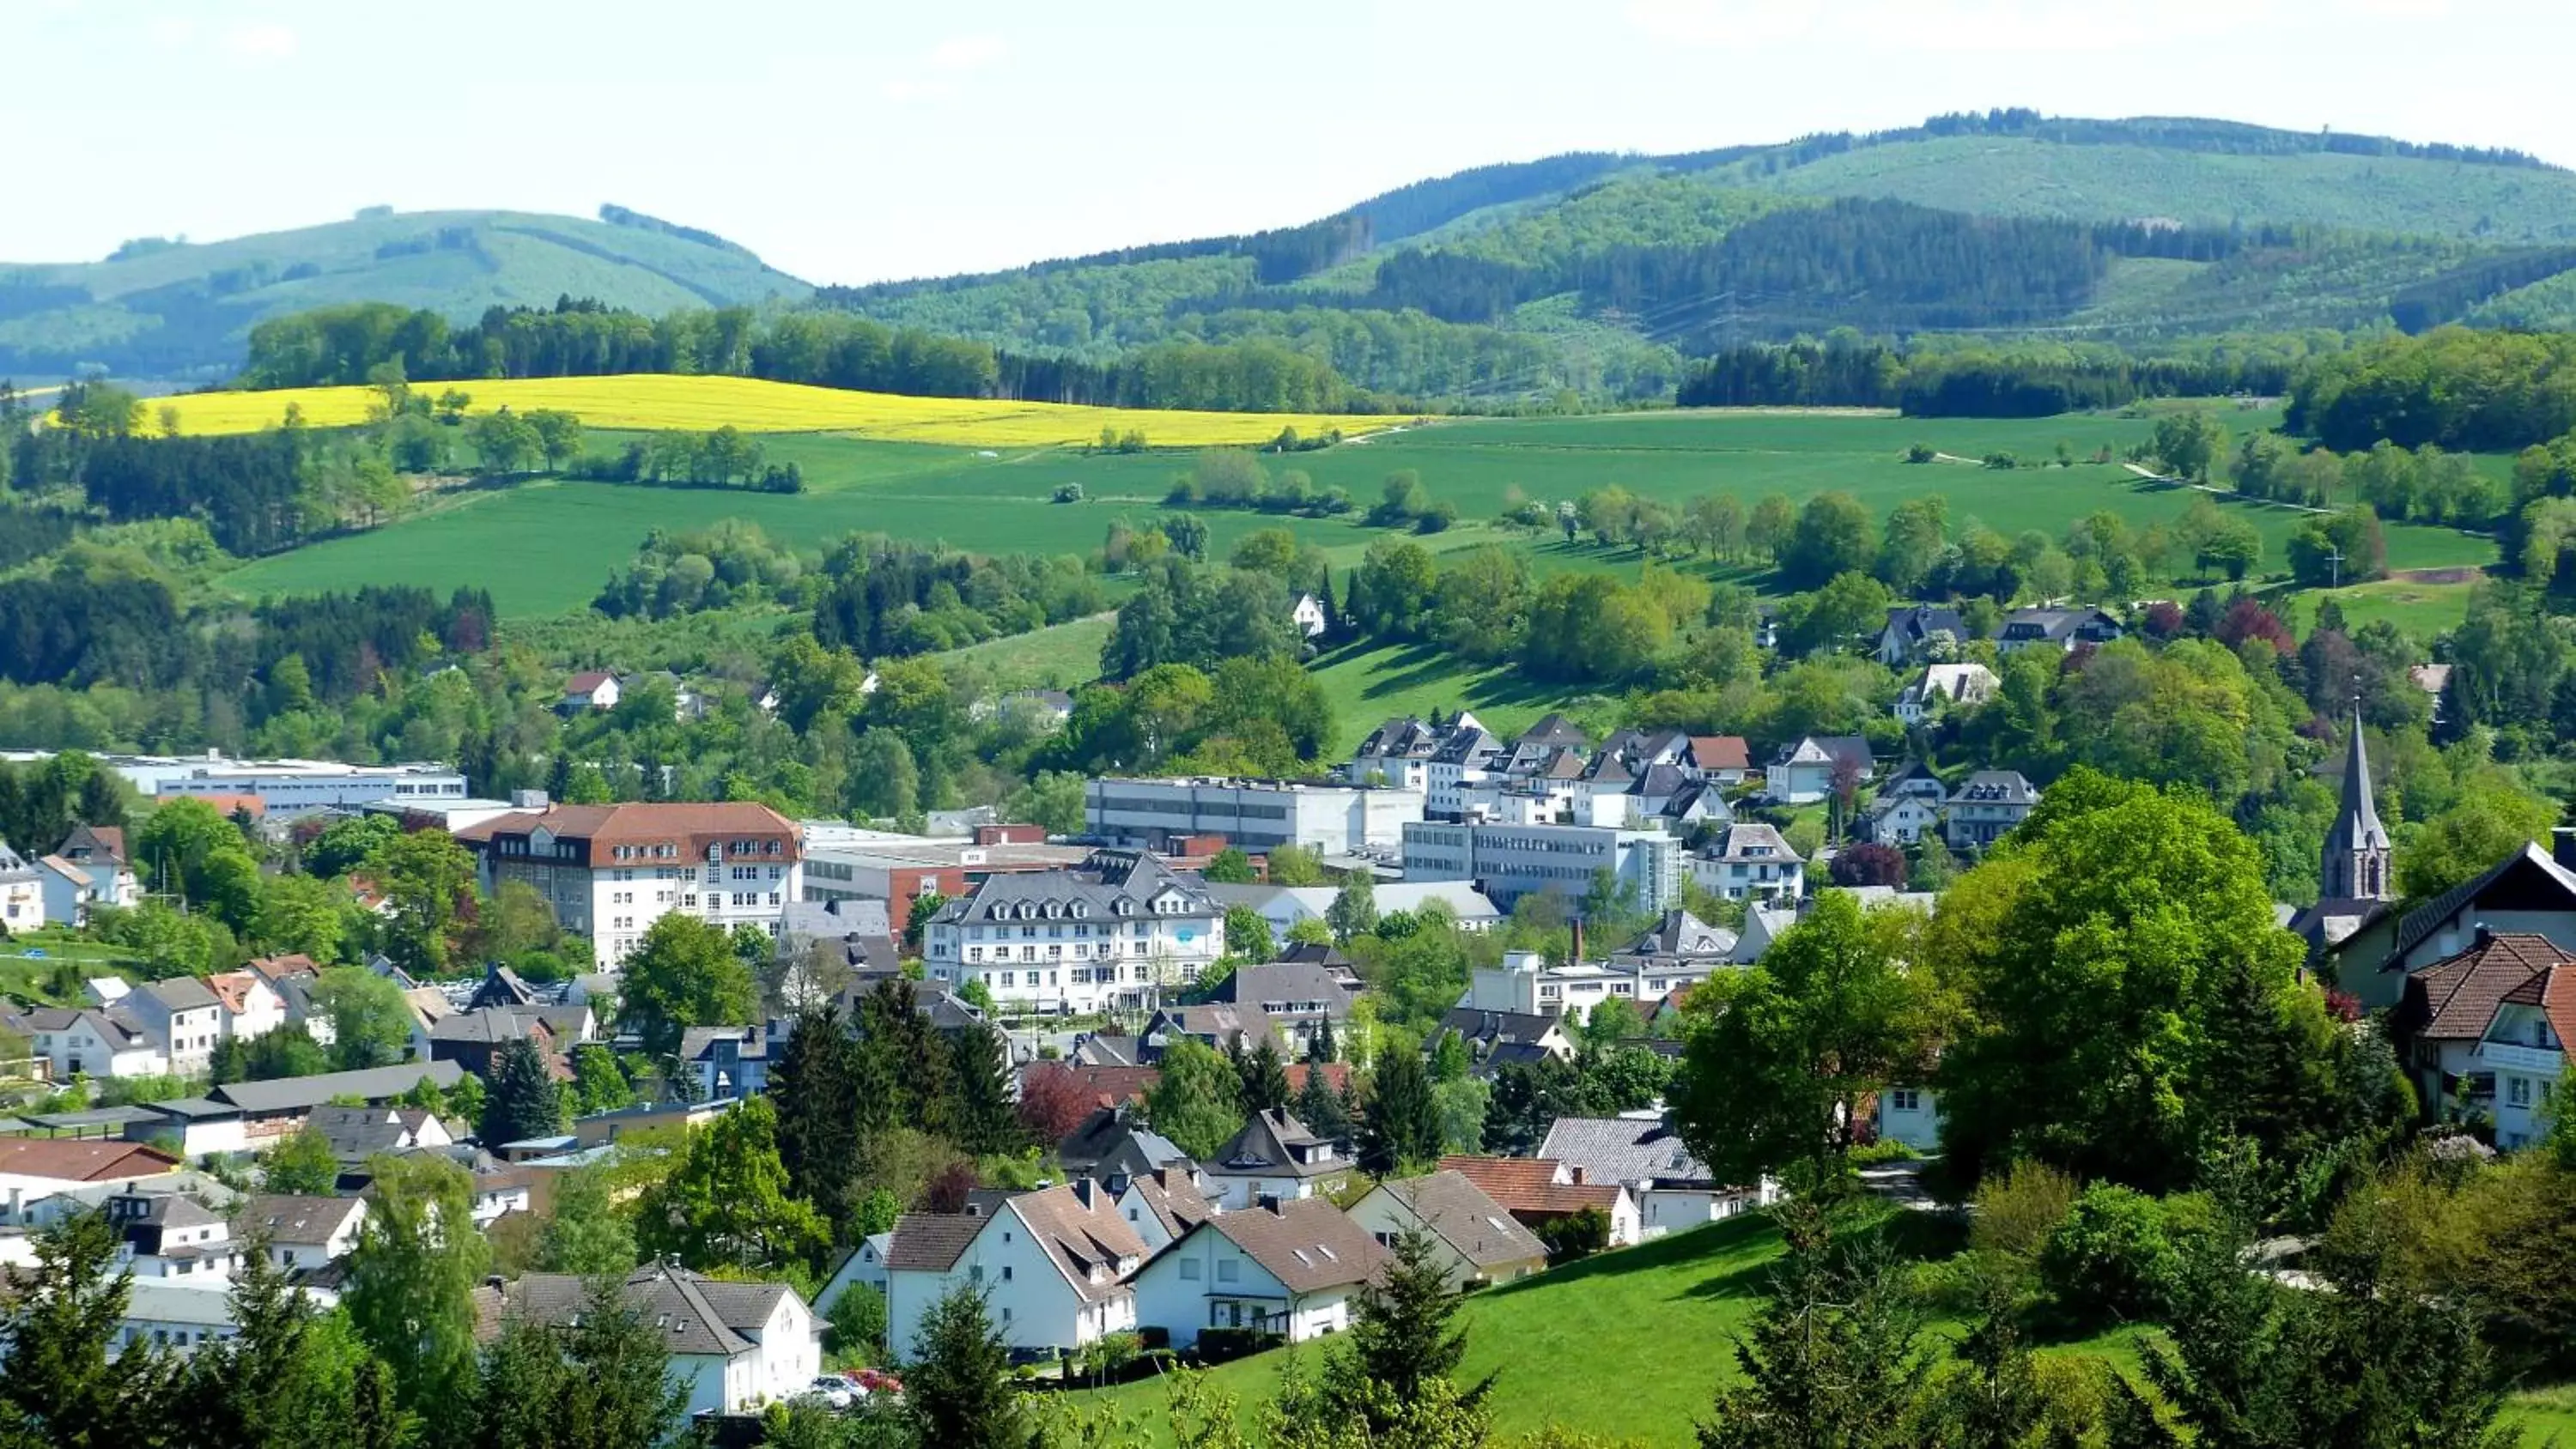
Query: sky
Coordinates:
[858,140]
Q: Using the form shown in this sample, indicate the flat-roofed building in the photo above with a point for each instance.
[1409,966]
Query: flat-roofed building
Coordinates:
[1332,819]
[611,871]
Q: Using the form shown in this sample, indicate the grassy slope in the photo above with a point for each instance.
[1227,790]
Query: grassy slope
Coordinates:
[544,548]
[515,258]
[2030,177]
[1631,1345]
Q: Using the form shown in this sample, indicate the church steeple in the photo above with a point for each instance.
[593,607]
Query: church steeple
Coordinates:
[2356,857]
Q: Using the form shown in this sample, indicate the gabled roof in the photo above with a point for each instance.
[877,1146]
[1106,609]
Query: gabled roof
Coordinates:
[691,1314]
[1478,1025]
[1678,933]
[1553,731]
[2548,875]
[489,1026]
[1109,885]
[1173,1199]
[105,840]
[1082,1232]
[1995,787]
[1274,985]
[2455,998]
[1529,1185]
[587,681]
[374,1084]
[1721,752]
[2553,990]
[1306,1243]
[75,1160]
[1743,839]
[274,969]
[1274,1144]
[1109,1141]
[931,1242]
[1623,1149]
[302,1221]
[1478,1228]
[180,993]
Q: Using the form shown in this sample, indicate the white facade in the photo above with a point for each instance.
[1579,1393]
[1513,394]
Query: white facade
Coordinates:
[68,891]
[610,872]
[1526,984]
[1942,686]
[298,787]
[2528,1059]
[22,893]
[1511,861]
[1205,1280]
[1911,1116]
[1079,941]
[187,1018]
[87,1043]
[1752,863]
[1308,616]
[1254,814]
[1028,1299]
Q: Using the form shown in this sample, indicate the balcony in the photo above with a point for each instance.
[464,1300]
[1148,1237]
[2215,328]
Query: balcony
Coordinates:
[2531,1061]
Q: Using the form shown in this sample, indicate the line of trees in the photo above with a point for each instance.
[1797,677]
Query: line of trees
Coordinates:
[1846,371]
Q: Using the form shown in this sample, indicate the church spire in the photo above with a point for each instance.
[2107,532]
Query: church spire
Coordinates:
[2356,854]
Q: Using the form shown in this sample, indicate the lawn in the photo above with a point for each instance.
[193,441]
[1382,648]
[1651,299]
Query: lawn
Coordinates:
[1059,656]
[544,547]
[1632,1345]
[1367,686]
[2421,608]
[28,978]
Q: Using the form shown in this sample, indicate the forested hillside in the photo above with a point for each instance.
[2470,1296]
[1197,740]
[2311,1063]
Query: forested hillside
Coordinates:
[166,308]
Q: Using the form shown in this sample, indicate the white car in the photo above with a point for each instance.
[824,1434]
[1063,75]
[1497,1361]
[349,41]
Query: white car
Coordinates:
[834,1391]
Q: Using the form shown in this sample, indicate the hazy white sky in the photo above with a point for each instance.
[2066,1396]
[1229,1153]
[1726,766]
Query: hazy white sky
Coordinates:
[853,140]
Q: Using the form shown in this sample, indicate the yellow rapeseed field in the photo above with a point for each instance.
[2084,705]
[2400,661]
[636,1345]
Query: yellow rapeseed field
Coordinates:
[698,404]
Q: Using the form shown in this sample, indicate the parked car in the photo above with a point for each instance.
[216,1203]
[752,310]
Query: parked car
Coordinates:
[833,1391]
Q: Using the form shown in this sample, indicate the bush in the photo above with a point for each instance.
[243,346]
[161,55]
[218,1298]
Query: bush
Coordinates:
[1224,1345]
[856,1326]
[2017,1212]
[2118,1252]
[1068,493]
[1921,453]
[1579,1234]
[2002,460]
[1884,1150]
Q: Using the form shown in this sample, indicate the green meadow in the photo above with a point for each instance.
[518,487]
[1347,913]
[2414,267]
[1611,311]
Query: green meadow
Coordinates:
[543,547]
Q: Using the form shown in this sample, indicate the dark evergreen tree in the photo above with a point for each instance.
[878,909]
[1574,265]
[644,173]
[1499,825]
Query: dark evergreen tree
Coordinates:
[289,1378]
[1404,1334]
[1835,1360]
[57,1386]
[815,1084]
[1320,1107]
[1264,1078]
[1401,1129]
[959,1391]
[523,1101]
[982,1117]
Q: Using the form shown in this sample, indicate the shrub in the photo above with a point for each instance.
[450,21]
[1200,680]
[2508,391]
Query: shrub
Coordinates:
[2118,1252]
[1224,1345]
[1068,493]
[856,1326]
[2017,1212]
[1577,1235]
[1920,453]
[2002,460]
[1885,1149]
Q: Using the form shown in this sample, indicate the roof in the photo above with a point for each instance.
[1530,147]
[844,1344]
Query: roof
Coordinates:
[1173,1199]
[1996,787]
[2356,826]
[77,1160]
[294,1218]
[688,830]
[1554,731]
[1529,1185]
[179,993]
[155,1300]
[108,840]
[2456,997]
[931,1242]
[1306,1243]
[489,1026]
[1479,1025]
[233,989]
[277,968]
[1110,1141]
[1678,933]
[289,1094]
[695,1315]
[1623,1149]
[2424,920]
[1274,1144]
[2553,990]
[587,680]
[1754,841]
[14,866]
[1914,623]
[1480,1229]
[1080,1228]
[1108,883]
[1721,752]
[1280,988]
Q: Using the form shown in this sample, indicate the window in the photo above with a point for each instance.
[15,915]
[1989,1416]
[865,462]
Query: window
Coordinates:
[1228,1271]
[1189,1270]
[2517,1091]
[1905,1099]
[1006,1268]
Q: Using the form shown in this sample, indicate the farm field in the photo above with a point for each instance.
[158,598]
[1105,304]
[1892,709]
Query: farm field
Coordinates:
[543,547]
[699,404]
[1632,1345]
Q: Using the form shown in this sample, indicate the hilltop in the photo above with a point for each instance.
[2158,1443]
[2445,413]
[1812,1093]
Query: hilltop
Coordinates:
[1597,272]
[183,309]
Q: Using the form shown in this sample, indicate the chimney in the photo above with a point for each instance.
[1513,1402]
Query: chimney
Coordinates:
[1576,957]
[1082,1192]
[494,1282]
[527,799]
[1575,1170]
[2484,935]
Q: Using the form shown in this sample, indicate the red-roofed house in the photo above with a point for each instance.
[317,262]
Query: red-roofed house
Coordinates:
[591,689]
[2525,1046]
[1727,759]
[1537,1191]
[2447,1020]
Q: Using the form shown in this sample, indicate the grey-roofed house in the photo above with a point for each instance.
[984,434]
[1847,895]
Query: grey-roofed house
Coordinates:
[1678,939]
[300,1230]
[1224,1026]
[1987,806]
[732,1346]
[1298,997]
[1052,1264]
[1275,1155]
[1487,1033]
[358,1133]
[1808,770]
[1110,1143]
[1751,861]
[2060,629]
[1107,934]
[1912,630]
[173,1238]
[1478,1241]
[823,943]
[1674,1189]
[186,1017]
[1160,1205]
[474,1039]
[1288,1267]
[729,1061]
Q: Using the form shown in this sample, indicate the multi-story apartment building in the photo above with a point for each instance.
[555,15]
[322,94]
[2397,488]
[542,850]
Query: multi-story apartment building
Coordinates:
[1988,807]
[611,871]
[1112,933]
[1752,862]
[1511,861]
[1254,814]
[853,863]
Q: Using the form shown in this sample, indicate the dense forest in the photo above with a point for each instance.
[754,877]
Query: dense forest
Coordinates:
[1846,371]
[2473,390]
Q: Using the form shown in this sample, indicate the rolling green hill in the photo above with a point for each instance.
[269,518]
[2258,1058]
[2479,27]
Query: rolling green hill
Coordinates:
[180,310]
[1596,273]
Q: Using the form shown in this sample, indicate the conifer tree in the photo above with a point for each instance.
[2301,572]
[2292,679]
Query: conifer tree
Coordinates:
[523,1101]
[815,1085]
[1834,1361]
[958,1392]
[1265,1079]
[982,1117]
[1401,1129]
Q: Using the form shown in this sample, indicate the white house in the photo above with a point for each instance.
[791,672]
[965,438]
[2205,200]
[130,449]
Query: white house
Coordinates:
[1526,985]
[1110,934]
[98,851]
[1911,1116]
[1894,819]
[1308,616]
[173,1239]
[184,1015]
[591,689]
[865,1267]
[68,891]
[611,871]
[1987,806]
[300,1231]
[1536,1191]
[1751,861]
[733,1346]
[1915,631]
[1476,1240]
[2525,1046]
[251,1007]
[172,1317]
[1160,1205]
[1284,1267]
[1807,771]
[1945,686]
[1674,1189]
[1053,1265]
[1275,1155]
[95,1043]
[22,893]
[33,1169]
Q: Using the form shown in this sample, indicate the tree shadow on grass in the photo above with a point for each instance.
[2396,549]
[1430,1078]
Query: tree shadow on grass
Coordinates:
[1415,666]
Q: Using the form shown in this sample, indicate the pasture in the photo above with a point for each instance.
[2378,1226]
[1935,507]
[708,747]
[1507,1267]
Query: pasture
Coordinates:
[543,547]
[701,404]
